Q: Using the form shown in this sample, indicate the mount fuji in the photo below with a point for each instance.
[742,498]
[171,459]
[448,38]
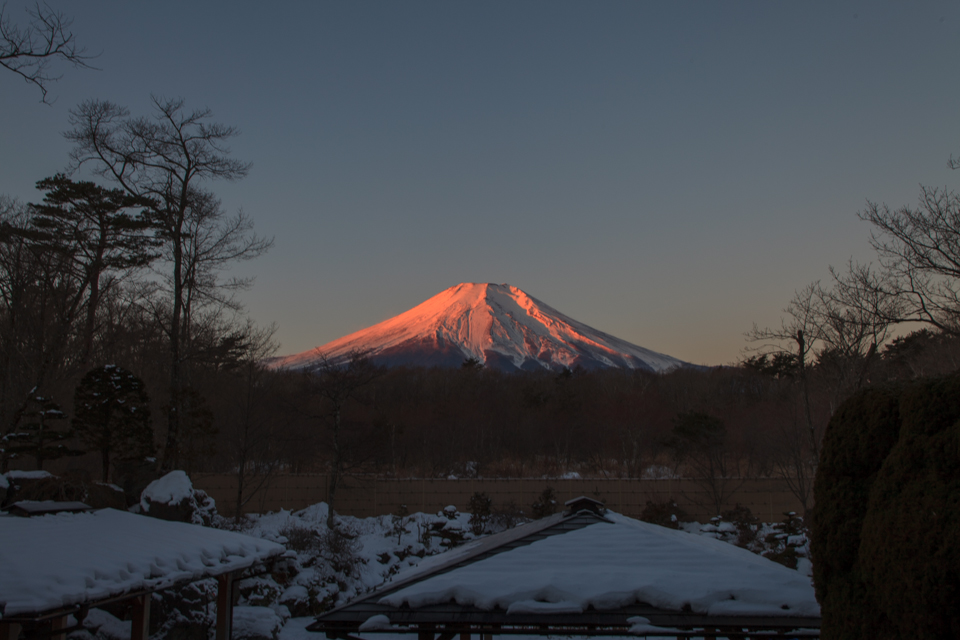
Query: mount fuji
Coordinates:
[499,325]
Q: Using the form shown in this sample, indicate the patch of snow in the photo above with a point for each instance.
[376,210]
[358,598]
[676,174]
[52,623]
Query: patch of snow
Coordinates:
[376,623]
[28,475]
[255,622]
[642,626]
[107,626]
[296,629]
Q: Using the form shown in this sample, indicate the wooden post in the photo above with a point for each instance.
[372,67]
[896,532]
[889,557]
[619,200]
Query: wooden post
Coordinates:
[9,630]
[141,617]
[465,636]
[56,625]
[225,606]
[424,635]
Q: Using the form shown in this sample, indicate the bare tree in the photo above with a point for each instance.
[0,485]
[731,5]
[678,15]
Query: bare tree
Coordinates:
[166,158]
[838,328]
[919,253]
[28,50]
[803,327]
[257,436]
[332,387]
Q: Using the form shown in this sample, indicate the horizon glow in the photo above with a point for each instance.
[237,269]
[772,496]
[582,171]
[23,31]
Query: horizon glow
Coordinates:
[668,174]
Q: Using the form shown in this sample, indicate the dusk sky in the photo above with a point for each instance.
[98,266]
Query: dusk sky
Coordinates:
[665,172]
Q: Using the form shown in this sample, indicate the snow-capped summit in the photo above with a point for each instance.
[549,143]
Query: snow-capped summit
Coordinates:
[499,325]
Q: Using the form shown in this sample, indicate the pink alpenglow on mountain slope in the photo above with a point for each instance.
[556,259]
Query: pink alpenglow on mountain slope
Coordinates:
[499,325]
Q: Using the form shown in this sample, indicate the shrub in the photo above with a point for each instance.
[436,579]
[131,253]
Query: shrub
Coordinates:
[339,547]
[858,439]
[506,516]
[481,507]
[666,514]
[301,539]
[399,520]
[788,536]
[746,524]
[545,505]
[910,545]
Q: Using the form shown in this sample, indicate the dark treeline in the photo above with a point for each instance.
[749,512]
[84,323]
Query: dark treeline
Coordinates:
[720,424]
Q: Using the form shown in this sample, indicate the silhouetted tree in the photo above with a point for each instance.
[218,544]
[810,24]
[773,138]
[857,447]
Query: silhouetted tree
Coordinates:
[332,387]
[699,440]
[37,434]
[104,239]
[112,415]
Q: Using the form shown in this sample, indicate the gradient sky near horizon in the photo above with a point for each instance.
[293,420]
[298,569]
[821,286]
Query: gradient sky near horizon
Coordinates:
[669,173]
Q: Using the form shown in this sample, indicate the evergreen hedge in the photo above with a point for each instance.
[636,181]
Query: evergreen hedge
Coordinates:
[885,531]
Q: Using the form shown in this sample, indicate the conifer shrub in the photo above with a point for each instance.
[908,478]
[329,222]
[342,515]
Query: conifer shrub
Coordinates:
[858,439]
[746,523]
[910,547]
[112,415]
[545,504]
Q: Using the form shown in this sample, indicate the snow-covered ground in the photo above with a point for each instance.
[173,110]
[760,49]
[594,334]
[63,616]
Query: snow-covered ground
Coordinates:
[328,572]
[329,568]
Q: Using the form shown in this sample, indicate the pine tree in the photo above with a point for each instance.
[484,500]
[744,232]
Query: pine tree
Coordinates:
[112,415]
[38,434]
[101,231]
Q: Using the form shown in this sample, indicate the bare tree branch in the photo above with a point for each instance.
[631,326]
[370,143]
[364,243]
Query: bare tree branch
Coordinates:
[28,51]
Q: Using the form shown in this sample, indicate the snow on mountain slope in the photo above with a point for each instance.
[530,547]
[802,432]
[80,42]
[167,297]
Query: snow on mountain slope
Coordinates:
[499,325]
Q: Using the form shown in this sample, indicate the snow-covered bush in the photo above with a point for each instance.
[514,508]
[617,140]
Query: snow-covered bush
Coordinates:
[256,623]
[173,497]
[787,543]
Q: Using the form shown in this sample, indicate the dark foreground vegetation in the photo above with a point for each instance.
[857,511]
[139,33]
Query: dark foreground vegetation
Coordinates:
[886,526]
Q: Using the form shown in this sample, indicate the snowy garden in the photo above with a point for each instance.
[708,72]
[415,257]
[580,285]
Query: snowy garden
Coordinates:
[323,568]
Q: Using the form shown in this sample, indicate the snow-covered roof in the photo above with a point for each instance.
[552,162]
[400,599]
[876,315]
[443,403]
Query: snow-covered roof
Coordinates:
[612,571]
[61,560]
[610,566]
[41,507]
